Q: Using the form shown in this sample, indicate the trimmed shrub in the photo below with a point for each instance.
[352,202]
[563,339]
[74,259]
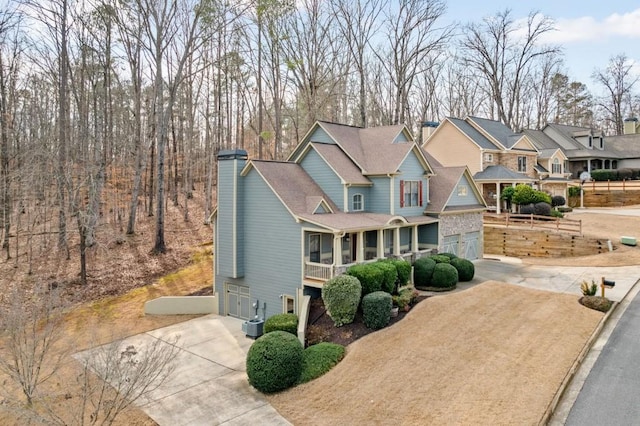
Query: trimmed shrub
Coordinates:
[557,213]
[604,175]
[274,362]
[466,269]
[284,322]
[403,269]
[541,197]
[369,276]
[389,275]
[527,209]
[376,309]
[558,200]
[574,191]
[449,255]
[542,209]
[445,276]
[318,359]
[440,258]
[422,271]
[523,194]
[341,295]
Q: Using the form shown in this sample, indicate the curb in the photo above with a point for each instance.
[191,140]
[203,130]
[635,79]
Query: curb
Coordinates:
[566,382]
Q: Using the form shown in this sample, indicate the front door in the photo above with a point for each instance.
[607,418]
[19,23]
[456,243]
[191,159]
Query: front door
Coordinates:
[238,301]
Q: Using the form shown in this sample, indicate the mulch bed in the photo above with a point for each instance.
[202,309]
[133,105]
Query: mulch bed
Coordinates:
[321,328]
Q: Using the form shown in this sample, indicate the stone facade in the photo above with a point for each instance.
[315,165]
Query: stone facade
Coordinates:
[460,224]
[510,161]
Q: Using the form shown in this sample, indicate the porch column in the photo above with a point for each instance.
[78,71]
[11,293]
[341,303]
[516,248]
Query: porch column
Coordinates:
[360,243]
[380,244]
[337,249]
[414,239]
[396,241]
[498,198]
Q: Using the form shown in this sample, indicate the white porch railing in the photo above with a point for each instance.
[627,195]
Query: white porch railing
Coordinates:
[318,271]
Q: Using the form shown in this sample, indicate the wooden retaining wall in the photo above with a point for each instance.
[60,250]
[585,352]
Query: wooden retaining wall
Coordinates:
[532,243]
[611,198]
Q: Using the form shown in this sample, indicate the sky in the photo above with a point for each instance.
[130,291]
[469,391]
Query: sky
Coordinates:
[589,32]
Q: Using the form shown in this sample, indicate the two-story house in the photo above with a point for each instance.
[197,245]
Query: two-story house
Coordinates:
[345,195]
[583,147]
[497,157]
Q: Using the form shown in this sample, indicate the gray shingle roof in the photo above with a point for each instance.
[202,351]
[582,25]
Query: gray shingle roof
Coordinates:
[494,173]
[293,185]
[540,139]
[472,133]
[497,130]
[372,149]
[442,185]
[359,221]
[338,160]
[625,146]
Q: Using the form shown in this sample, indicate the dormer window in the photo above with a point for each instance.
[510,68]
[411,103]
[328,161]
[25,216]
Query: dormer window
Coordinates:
[357,203]
[556,167]
[590,142]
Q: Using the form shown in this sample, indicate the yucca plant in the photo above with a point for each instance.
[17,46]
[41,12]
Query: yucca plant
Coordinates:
[589,289]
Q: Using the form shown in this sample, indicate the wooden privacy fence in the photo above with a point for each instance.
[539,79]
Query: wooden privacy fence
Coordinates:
[532,221]
[611,185]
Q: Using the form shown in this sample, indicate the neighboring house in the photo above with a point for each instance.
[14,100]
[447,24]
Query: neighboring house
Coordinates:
[345,195]
[626,147]
[497,157]
[584,148]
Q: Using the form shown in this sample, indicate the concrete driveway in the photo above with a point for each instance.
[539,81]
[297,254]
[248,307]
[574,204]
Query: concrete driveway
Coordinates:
[210,385]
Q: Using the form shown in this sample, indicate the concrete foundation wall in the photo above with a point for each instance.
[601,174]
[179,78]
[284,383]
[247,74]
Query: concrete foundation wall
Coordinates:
[182,305]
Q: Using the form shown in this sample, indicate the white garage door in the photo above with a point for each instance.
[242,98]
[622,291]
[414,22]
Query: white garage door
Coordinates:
[471,245]
[451,244]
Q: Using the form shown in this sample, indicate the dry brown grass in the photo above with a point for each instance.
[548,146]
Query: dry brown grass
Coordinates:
[494,354]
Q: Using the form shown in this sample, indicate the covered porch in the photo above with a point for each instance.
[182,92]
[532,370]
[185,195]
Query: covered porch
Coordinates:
[328,254]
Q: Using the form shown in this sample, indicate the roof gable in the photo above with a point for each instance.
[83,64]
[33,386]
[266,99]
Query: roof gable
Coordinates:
[444,184]
[523,142]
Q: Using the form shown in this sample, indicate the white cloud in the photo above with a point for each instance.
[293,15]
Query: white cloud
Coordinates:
[588,28]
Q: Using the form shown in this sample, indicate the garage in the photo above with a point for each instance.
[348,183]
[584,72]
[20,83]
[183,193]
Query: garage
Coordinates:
[471,245]
[464,245]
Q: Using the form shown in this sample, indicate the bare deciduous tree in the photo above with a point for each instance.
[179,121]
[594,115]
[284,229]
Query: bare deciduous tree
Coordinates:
[618,81]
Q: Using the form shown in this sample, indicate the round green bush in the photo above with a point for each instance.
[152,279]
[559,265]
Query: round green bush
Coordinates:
[389,275]
[376,309]
[274,361]
[440,258]
[284,322]
[423,271]
[320,358]
[466,269]
[403,271]
[449,255]
[542,209]
[341,297]
[445,275]
[369,276]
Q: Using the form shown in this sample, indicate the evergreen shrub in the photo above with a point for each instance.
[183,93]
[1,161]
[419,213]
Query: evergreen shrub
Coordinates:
[376,309]
[283,322]
[274,361]
[341,296]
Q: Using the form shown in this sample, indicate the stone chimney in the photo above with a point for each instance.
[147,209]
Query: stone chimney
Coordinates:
[428,127]
[631,126]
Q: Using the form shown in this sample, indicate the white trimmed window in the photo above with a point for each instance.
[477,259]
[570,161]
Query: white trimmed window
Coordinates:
[357,203]
[556,167]
[522,164]
[410,193]
[488,157]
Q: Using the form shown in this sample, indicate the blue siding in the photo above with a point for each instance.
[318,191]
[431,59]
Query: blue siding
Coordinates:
[412,170]
[230,235]
[272,247]
[365,191]
[320,172]
[379,196]
[463,200]
[401,138]
[319,135]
